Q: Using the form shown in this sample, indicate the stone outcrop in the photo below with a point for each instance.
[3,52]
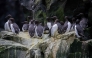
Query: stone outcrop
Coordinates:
[40,9]
[62,46]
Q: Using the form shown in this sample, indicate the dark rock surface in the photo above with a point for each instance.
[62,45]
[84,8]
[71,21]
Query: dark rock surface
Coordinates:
[80,49]
[67,46]
[20,9]
[12,7]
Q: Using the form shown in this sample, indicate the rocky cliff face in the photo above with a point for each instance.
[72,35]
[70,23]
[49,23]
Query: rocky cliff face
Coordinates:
[40,9]
[45,8]
[12,7]
[62,46]
[57,7]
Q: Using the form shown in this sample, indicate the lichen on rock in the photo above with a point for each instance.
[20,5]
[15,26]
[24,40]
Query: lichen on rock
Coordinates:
[67,45]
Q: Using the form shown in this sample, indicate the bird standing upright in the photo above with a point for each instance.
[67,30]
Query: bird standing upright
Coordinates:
[14,27]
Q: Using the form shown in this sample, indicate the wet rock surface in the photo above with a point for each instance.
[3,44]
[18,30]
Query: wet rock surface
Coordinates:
[66,46]
[81,50]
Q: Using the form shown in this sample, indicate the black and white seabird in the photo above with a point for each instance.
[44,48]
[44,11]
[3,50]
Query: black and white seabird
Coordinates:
[29,19]
[54,29]
[7,24]
[67,25]
[31,29]
[39,30]
[73,24]
[49,24]
[50,21]
[79,30]
[84,21]
[14,27]
[25,26]
[60,25]
[57,26]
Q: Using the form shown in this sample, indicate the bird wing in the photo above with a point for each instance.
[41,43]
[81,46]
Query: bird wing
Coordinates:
[80,30]
[16,27]
[64,27]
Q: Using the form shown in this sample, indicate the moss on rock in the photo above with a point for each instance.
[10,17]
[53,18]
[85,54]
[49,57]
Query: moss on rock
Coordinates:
[80,49]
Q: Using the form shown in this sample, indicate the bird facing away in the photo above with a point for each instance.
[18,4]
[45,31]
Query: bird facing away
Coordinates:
[14,27]
[25,26]
[31,29]
[67,25]
[39,30]
[83,22]
[79,31]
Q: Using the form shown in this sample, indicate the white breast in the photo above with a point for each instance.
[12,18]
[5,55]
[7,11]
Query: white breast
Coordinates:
[23,29]
[54,29]
[72,27]
[36,34]
[12,28]
[69,27]
[76,32]
[49,25]
[6,26]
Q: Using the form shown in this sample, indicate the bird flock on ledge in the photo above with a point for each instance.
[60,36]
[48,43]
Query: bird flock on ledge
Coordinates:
[53,25]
